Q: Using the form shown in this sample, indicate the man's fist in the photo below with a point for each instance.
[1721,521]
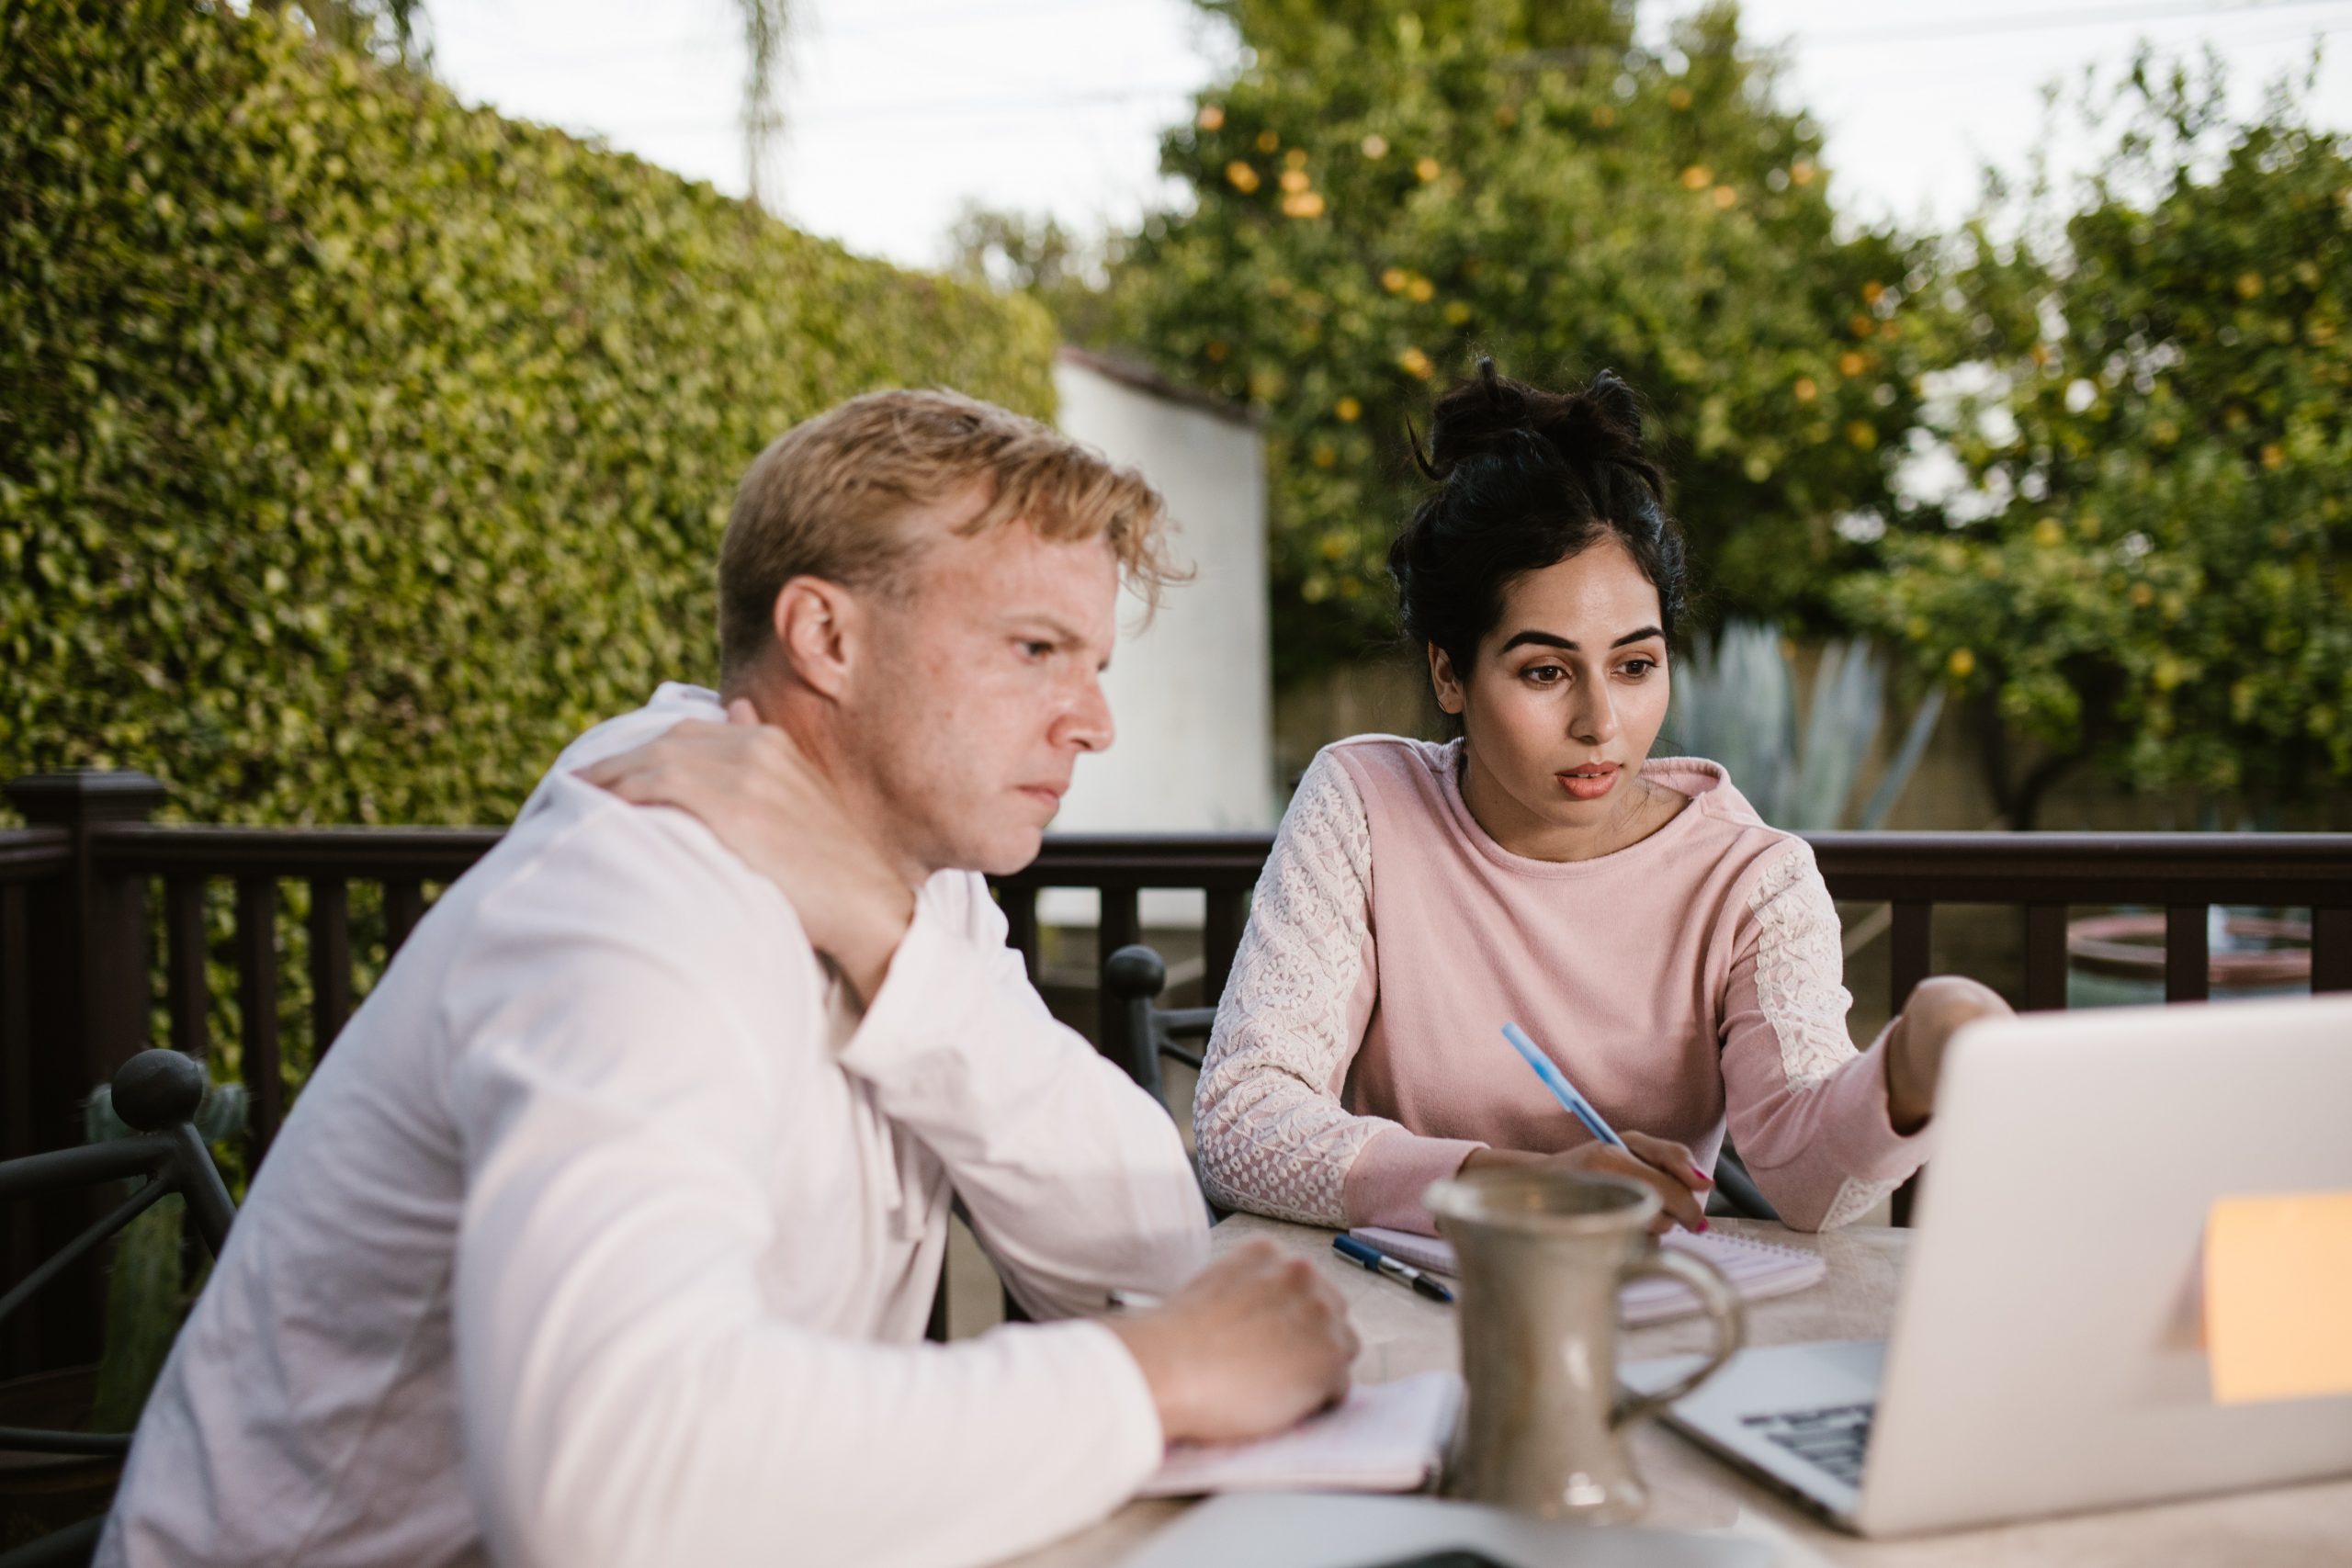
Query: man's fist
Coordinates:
[1256,1342]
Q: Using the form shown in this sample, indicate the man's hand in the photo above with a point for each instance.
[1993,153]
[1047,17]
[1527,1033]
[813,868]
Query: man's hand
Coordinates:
[1914,1046]
[750,785]
[1666,1168]
[1254,1343]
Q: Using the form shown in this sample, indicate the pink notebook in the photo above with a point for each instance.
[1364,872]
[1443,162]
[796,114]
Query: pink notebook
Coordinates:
[1756,1269]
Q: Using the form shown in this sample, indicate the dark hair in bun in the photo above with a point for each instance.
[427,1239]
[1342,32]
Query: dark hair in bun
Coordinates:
[1526,478]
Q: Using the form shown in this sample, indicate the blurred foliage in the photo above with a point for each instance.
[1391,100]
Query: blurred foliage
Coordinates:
[358,449]
[1021,252]
[2151,563]
[393,30]
[1389,187]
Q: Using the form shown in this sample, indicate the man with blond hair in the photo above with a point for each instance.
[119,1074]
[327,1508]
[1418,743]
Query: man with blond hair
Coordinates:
[608,1231]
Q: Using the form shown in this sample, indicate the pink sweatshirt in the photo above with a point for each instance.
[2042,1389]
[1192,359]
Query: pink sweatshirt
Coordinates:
[1686,982]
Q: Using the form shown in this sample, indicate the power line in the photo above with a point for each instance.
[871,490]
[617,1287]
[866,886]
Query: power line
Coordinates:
[2073,68]
[800,36]
[959,15]
[918,109]
[2046,21]
[1031,105]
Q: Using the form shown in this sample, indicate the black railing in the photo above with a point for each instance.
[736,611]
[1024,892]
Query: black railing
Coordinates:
[2044,874]
[90,887]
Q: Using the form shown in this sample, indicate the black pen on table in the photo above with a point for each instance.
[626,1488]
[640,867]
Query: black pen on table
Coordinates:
[1379,1262]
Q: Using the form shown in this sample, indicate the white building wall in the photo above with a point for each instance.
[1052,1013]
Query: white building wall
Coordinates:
[1192,692]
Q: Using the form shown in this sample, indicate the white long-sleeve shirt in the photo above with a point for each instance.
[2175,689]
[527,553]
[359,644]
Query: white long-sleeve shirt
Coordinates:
[607,1232]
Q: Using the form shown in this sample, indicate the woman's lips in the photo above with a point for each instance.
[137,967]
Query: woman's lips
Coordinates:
[1590,782]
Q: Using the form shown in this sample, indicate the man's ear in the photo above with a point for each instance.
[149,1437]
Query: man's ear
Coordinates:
[819,632]
[1443,681]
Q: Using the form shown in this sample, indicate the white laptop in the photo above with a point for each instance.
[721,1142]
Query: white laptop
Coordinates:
[2047,1352]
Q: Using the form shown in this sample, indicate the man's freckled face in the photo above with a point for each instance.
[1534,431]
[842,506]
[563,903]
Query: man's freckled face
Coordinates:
[985,689]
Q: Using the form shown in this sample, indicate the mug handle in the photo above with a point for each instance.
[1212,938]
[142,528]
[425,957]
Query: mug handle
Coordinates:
[1716,1293]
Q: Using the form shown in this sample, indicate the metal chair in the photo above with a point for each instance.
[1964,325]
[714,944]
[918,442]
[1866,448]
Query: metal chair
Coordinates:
[157,1093]
[1736,1196]
[1139,1034]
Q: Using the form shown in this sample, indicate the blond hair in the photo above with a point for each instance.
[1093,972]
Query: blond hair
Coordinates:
[828,497]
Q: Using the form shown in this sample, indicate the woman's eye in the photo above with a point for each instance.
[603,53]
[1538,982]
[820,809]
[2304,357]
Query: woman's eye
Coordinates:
[1036,650]
[1637,667]
[1546,674]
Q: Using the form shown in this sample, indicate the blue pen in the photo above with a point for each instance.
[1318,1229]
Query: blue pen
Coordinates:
[1397,1269]
[1562,1089]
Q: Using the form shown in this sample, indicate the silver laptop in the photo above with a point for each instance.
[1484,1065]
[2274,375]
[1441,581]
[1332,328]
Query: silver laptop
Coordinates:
[2046,1355]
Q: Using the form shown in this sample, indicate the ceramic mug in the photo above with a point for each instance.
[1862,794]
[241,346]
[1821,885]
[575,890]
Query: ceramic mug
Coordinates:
[1541,1254]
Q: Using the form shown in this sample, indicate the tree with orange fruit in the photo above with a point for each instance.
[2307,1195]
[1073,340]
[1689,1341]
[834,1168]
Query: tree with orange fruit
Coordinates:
[1391,186]
[2149,565]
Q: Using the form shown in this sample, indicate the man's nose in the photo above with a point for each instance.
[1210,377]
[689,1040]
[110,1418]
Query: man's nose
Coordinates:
[1087,724]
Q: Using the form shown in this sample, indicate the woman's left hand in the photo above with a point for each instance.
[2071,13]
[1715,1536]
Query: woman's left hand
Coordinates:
[1914,1046]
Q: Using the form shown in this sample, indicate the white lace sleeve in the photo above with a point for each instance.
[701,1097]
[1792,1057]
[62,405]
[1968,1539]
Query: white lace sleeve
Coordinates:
[1267,1120]
[1808,1112]
[1800,969]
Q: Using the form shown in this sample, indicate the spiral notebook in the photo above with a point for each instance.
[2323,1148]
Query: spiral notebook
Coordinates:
[1756,1269]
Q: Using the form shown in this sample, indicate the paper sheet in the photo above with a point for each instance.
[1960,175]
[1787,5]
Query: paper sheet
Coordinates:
[1382,1437]
[2279,1296]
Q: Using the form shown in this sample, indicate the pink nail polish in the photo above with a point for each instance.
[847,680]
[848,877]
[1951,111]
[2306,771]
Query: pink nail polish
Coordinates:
[1702,1224]
[1703,1178]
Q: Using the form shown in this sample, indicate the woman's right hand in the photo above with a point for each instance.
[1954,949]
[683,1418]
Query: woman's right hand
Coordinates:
[752,785]
[1659,1164]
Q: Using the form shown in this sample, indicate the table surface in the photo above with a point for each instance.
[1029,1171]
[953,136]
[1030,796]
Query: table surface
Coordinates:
[1403,1333]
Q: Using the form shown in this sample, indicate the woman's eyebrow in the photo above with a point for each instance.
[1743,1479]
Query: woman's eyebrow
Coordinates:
[1549,639]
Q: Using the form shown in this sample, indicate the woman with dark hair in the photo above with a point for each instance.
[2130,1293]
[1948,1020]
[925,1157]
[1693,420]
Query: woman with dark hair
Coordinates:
[1679,958]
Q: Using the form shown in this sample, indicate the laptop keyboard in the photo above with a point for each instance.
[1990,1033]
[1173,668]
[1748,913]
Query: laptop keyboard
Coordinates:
[1832,1438]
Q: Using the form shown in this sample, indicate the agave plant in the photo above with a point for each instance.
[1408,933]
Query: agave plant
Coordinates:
[1735,702]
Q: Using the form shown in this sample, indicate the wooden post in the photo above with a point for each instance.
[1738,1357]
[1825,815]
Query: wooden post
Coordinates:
[1119,925]
[20,1249]
[257,1013]
[330,962]
[2188,955]
[1021,925]
[1908,954]
[1910,959]
[85,1014]
[2331,949]
[2045,957]
[1227,917]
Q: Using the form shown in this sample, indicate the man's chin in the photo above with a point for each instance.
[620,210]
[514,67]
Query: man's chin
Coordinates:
[1007,852]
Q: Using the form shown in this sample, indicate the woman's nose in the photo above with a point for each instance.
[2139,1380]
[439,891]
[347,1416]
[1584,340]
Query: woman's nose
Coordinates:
[1594,720]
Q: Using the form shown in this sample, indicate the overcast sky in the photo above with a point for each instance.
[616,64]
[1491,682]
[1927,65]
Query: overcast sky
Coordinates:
[898,112]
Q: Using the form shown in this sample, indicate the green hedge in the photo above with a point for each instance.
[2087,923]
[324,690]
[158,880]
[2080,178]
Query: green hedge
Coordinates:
[356,448]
